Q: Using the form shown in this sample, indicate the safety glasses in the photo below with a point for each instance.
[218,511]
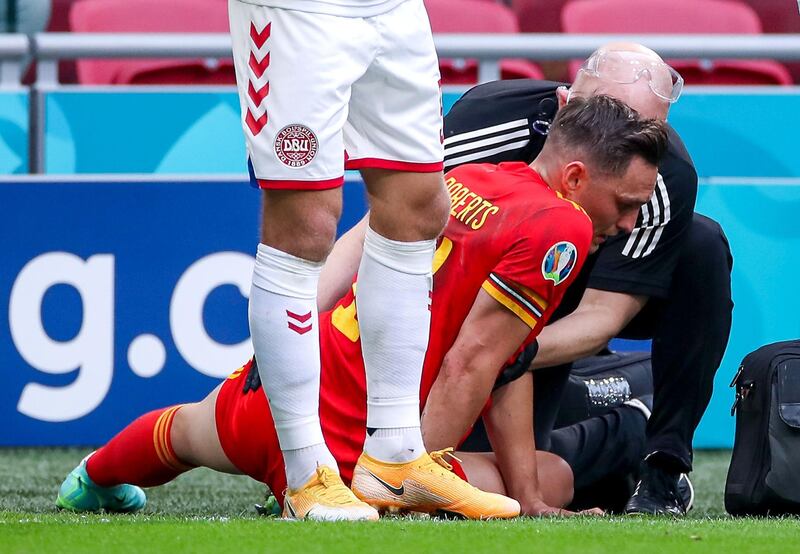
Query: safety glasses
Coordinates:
[664,81]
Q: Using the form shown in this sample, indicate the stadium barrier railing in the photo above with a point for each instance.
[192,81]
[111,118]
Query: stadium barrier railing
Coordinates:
[47,49]
[50,48]
[14,49]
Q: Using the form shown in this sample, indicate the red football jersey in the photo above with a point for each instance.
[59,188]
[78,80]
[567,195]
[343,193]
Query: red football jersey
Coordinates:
[508,234]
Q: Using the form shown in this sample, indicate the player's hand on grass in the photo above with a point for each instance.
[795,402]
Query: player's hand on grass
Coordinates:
[592,512]
[538,508]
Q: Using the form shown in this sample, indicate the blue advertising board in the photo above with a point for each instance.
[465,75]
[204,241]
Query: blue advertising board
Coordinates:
[123,296]
[119,297]
[110,130]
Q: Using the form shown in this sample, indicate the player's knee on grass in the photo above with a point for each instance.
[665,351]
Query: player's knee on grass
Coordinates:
[555,479]
[482,472]
[407,206]
[301,223]
[555,475]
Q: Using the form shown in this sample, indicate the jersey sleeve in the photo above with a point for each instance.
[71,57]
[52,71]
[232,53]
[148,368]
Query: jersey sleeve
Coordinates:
[642,263]
[546,255]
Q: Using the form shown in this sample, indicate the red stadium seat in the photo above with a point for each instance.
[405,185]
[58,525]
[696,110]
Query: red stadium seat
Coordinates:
[679,17]
[779,16]
[476,16]
[152,16]
[59,16]
[538,16]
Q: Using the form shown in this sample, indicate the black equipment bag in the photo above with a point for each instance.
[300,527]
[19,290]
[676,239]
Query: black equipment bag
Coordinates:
[764,475]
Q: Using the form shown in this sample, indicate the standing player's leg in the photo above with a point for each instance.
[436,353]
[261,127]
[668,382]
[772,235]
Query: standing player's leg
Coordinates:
[292,121]
[394,136]
[393,298]
[284,323]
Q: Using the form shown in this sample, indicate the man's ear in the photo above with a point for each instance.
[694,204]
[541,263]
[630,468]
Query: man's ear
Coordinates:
[574,178]
[562,94]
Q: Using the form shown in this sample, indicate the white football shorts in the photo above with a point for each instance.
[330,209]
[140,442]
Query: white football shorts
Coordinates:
[319,93]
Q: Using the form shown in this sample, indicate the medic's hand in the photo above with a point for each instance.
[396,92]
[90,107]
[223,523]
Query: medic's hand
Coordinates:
[518,367]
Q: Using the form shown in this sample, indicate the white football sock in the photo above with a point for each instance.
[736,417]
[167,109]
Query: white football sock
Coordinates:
[393,300]
[399,445]
[285,333]
[301,461]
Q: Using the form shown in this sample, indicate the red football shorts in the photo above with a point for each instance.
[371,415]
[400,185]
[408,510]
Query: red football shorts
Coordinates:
[247,433]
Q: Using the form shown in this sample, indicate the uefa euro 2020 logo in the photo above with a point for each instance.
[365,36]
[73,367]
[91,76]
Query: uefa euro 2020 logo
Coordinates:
[559,262]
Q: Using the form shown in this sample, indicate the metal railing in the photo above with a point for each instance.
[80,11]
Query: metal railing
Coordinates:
[47,49]
[13,51]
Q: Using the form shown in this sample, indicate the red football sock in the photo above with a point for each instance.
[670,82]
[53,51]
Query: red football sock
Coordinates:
[141,454]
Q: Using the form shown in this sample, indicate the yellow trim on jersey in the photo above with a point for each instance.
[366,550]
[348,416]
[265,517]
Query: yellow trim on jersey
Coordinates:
[574,204]
[541,302]
[441,254]
[344,320]
[518,310]
[238,372]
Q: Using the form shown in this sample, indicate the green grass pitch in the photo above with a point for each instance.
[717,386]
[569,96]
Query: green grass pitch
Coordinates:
[207,512]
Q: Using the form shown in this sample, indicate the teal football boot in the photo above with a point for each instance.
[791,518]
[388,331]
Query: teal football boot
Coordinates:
[79,493]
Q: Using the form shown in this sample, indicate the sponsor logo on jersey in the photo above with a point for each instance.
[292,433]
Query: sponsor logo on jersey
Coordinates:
[559,262]
[296,145]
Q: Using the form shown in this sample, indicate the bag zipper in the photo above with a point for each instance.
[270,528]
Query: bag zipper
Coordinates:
[742,390]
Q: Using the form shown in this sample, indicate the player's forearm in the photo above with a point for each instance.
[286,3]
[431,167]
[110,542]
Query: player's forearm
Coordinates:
[600,316]
[576,336]
[454,403]
[509,424]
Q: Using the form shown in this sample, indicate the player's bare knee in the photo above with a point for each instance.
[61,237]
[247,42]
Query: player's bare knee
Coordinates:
[302,224]
[316,237]
[407,206]
[181,433]
[429,207]
[559,476]
[435,214]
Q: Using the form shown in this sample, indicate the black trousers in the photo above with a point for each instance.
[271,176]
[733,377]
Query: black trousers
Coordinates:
[690,331]
[603,449]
